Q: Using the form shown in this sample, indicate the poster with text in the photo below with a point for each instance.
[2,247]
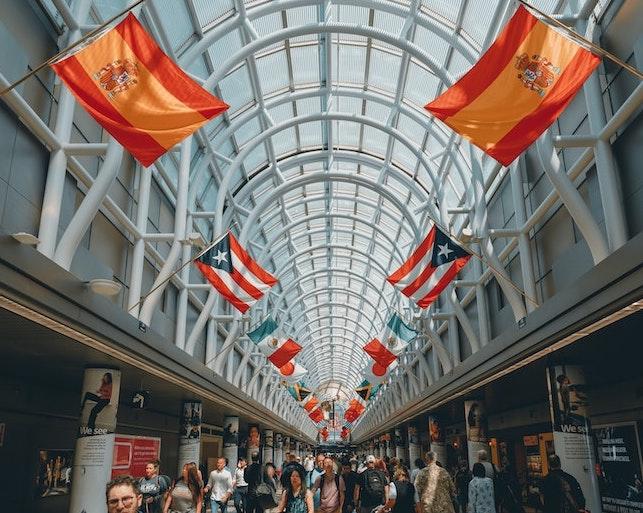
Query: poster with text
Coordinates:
[132,454]
[619,468]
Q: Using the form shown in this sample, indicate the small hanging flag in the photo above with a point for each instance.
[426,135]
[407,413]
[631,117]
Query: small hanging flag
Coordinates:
[391,342]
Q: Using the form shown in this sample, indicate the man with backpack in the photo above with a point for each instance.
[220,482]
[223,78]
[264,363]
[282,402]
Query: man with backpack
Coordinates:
[153,487]
[369,491]
[561,491]
[332,489]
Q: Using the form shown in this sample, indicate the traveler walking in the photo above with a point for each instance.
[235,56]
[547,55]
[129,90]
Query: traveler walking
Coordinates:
[561,491]
[351,479]
[295,498]
[123,495]
[186,496]
[240,487]
[153,488]
[370,489]
[252,476]
[481,498]
[331,488]
[401,493]
[435,488]
[220,484]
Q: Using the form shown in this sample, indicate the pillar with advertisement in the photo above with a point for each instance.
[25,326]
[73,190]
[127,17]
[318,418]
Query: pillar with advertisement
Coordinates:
[268,455]
[189,434]
[573,440]
[231,440]
[400,445]
[95,439]
[253,442]
[278,450]
[475,414]
[414,445]
[437,440]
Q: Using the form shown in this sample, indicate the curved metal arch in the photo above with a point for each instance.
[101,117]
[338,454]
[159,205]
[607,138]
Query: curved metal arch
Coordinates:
[353,362]
[348,292]
[332,116]
[315,272]
[325,215]
[461,45]
[362,333]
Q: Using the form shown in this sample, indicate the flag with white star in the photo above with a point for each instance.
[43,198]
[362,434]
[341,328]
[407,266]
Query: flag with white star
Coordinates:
[233,272]
[431,267]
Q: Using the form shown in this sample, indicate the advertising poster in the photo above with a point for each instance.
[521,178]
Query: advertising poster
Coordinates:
[189,434]
[573,441]
[414,444]
[619,468]
[437,440]
[93,453]
[278,449]
[253,442]
[132,454]
[54,472]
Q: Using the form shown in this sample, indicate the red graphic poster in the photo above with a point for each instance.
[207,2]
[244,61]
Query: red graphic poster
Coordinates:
[132,453]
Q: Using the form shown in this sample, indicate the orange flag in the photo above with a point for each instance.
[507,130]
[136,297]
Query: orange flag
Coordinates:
[317,415]
[517,88]
[136,92]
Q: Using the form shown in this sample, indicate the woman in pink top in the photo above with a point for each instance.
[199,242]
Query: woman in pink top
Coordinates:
[102,397]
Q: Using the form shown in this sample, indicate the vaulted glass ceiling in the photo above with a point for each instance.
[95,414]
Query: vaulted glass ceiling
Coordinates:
[326,134]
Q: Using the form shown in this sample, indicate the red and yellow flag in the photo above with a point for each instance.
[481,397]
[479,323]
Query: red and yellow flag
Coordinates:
[517,88]
[136,92]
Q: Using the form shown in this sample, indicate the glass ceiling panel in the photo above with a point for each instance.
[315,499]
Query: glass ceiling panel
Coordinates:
[364,77]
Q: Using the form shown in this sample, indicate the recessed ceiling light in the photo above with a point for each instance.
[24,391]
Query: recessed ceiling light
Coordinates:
[105,287]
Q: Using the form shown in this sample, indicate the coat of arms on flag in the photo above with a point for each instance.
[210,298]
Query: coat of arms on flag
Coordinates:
[391,342]
[135,91]
[431,267]
[517,89]
[233,272]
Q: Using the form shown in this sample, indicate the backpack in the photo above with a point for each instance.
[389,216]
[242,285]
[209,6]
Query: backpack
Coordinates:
[405,497]
[321,481]
[374,485]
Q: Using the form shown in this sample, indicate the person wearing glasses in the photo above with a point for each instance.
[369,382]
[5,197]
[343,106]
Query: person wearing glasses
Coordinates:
[123,495]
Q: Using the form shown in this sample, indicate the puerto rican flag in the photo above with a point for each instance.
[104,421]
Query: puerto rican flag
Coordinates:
[278,351]
[233,272]
[430,268]
[391,342]
[377,373]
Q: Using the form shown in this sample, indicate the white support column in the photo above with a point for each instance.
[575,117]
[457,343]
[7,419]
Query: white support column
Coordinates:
[608,178]
[87,210]
[524,245]
[138,254]
[180,215]
[182,303]
[55,184]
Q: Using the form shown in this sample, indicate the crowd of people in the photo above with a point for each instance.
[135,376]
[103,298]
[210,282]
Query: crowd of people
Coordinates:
[339,484]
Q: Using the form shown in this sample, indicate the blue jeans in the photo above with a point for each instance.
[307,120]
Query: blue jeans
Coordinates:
[241,499]
[219,506]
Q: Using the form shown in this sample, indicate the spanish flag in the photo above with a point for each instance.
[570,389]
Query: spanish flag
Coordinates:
[136,92]
[517,88]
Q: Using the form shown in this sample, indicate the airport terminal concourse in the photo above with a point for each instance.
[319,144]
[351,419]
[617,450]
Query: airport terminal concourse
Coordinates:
[321,256]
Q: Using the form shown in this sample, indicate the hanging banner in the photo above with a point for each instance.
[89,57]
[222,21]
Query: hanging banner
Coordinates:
[133,453]
[437,440]
[571,425]
[231,440]
[95,442]
[189,434]
[619,467]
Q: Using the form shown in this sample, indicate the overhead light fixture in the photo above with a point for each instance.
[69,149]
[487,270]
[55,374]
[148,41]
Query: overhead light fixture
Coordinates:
[466,235]
[26,238]
[104,287]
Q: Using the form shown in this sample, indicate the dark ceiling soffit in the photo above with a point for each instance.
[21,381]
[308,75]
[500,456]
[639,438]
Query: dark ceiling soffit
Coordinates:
[613,284]
[31,279]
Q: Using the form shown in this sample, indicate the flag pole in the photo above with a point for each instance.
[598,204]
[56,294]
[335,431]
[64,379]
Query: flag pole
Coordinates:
[143,298]
[70,47]
[593,46]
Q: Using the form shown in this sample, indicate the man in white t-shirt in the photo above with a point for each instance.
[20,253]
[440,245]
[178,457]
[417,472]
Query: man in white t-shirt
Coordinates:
[332,489]
[220,483]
